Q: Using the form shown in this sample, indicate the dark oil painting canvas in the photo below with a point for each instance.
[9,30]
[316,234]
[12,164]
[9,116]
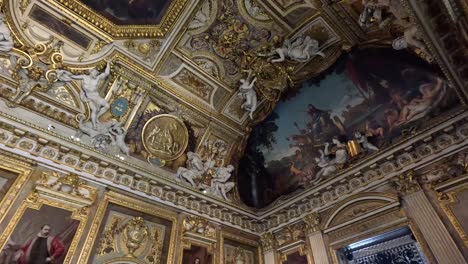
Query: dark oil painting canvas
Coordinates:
[380,93]
[130,12]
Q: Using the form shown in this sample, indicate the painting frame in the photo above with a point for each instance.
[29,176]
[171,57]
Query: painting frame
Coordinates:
[23,171]
[302,250]
[242,240]
[188,243]
[132,203]
[35,202]
[448,198]
[111,30]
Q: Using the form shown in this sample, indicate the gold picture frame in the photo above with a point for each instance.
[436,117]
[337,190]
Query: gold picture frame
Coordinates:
[445,201]
[187,244]
[303,251]
[35,202]
[199,232]
[101,23]
[241,240]
[133,204]
[23,171]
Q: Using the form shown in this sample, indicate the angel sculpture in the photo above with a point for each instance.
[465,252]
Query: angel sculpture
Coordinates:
[410,38]
[373,13]
[247,91]
[118,133]
[330,166]
[301,49]
[364,142]
[195,169]
[6,42]
[219,185]
[326,168]
[90,91]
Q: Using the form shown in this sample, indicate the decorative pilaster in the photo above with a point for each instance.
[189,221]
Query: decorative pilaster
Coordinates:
[420,210]
[315,237]
[269,248]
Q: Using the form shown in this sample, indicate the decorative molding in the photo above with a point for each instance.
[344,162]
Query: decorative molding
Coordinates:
[32,141]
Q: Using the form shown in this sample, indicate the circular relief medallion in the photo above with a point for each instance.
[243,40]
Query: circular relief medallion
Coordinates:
[165,137]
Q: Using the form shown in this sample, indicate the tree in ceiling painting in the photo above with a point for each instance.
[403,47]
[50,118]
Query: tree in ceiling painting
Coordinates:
[366,102]
[130,12]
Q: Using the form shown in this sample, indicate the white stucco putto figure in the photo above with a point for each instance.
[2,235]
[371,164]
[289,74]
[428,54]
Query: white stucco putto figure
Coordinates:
[301,49]
[118,133]
[411,38]
[195,169]
[6,42]
[90,91]
[219,185]
[247,92]
[364,142]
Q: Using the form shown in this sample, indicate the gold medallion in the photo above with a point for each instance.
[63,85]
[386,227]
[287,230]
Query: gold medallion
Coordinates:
[165,137]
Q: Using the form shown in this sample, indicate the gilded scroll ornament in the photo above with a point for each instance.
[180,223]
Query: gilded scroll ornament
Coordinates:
[107,242]
[155,251]
[36,69]
[165,137]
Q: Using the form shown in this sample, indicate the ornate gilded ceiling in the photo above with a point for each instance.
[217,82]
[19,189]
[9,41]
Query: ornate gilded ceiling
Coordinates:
[185,60]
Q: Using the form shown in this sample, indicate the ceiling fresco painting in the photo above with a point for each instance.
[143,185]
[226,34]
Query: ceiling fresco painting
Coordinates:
[365,102]
[134,12]
[249,103]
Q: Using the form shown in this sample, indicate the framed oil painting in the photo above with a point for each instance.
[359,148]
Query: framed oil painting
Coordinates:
[197,255]
[127,230]
[43,230]
[453,203]
[381,94]
[238,250]
[295,258]
[135,12]
[13,176]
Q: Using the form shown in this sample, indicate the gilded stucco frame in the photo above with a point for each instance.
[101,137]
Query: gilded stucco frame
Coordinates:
[445,202]
[240,239]
[303,250]
[99,22]
[35,202]
[188,243]
[23,171]
[134,204]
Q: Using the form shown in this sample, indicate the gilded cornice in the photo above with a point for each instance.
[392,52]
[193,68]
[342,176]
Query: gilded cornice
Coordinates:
[159,185]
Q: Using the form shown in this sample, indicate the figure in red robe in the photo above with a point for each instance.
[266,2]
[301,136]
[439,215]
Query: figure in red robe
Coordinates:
[42,249]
